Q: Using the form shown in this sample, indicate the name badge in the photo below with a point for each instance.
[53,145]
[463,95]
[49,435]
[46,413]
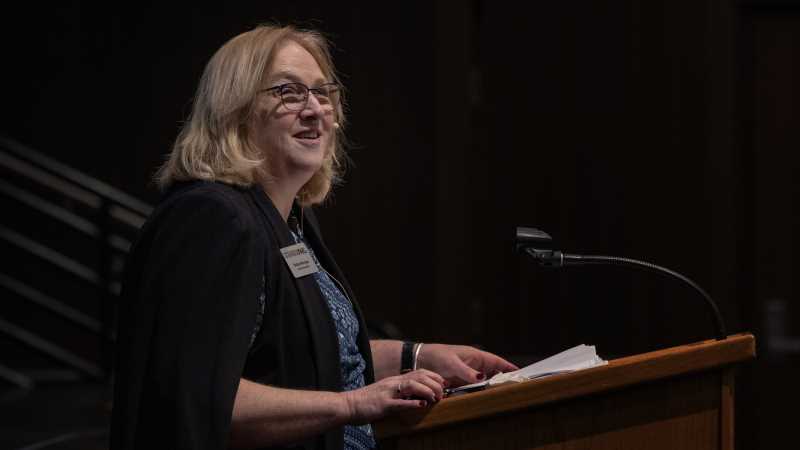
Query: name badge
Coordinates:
[299,260]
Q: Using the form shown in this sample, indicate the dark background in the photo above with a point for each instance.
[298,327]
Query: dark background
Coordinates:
[658,130]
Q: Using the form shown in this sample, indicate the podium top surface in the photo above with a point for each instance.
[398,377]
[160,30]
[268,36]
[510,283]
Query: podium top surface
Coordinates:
[618,373]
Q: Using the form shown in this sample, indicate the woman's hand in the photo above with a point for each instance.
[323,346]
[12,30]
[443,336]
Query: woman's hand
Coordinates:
[412,390]
[460,364]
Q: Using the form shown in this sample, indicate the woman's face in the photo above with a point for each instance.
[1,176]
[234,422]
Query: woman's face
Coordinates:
[295,142]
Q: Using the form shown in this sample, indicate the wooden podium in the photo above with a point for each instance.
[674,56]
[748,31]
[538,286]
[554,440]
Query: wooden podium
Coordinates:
[677,398]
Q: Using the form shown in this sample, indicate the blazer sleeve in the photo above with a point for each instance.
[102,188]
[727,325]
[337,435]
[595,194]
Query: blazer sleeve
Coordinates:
[189,308]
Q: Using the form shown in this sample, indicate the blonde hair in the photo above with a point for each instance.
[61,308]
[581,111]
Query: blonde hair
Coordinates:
[214,143]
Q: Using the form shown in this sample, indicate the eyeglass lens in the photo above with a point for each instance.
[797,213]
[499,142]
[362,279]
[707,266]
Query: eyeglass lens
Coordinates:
[295,95]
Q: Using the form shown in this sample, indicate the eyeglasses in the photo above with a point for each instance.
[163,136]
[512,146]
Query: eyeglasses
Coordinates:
[295,95]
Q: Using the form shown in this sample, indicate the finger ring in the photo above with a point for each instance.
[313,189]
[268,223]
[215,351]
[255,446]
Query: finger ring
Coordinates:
[400,387]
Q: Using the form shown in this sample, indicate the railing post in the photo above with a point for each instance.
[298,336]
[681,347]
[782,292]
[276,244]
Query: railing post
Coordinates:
[107,303]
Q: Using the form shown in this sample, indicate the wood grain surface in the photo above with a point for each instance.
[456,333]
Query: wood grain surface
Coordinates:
[674,398]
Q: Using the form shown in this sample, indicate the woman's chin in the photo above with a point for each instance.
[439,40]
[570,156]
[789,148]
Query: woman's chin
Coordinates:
[307,163]
[309,155]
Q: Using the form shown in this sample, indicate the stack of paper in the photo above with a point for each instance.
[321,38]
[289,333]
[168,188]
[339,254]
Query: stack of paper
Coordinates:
[577,358]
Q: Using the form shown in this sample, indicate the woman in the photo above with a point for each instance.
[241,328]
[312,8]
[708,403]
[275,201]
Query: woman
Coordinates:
[237,328]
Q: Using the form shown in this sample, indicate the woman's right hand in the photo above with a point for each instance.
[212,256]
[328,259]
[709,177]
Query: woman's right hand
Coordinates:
[412,390]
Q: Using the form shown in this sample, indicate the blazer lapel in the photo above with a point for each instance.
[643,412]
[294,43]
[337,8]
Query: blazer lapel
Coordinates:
[314,237]
[317,313]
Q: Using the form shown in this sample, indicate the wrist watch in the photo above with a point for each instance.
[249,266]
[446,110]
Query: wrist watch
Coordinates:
[407,357]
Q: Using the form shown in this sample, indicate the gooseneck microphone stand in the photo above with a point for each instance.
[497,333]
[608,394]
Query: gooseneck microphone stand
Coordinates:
[527,238]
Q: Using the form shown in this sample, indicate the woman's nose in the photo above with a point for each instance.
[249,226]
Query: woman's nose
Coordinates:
[312,106]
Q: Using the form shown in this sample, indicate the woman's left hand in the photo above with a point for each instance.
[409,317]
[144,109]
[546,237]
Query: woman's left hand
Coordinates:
[461,364]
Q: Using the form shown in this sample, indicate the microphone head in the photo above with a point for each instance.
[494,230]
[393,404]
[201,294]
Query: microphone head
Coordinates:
[531,237]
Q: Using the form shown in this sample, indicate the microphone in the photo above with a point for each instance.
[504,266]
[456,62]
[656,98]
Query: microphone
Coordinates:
[532,241]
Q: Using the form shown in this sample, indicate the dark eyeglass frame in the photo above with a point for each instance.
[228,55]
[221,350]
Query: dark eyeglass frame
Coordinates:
[333,88]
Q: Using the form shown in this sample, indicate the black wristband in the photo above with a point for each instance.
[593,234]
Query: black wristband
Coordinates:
[407,357]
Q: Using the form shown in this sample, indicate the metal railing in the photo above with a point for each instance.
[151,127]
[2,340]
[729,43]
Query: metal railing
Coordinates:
[67,199]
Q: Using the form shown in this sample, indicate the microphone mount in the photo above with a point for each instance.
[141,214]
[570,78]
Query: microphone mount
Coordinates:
[529,238]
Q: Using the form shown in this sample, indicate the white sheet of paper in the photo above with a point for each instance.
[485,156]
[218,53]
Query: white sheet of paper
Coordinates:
[576,358]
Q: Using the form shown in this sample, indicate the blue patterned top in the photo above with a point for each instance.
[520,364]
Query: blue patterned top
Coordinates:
[350,360]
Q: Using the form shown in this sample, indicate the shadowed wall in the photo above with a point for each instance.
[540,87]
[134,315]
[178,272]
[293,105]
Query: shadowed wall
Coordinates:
[662,131]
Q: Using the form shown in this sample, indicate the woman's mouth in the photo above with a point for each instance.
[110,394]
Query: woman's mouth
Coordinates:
[308,135]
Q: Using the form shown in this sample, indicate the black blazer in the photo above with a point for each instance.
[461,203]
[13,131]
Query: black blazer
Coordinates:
[188,311]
